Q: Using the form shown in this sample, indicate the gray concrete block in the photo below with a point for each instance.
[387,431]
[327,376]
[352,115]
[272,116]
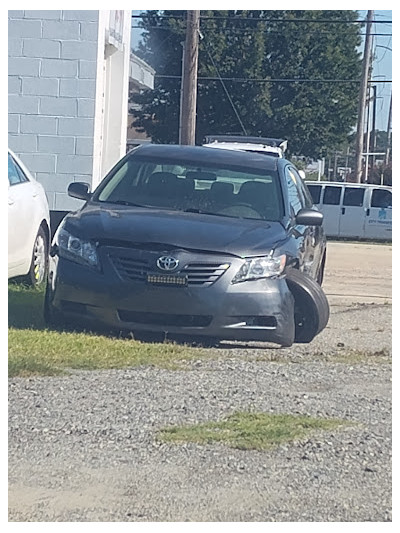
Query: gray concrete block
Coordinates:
[63,202]
[58,106]
[62,68]
[84,146]
[56,144]
[37,162]
[90,31]
[14,85]
[14,47]
[79,50]
[25,28]
[74,164]
[23,66]
[41,48]
[86,107]
[87,69]
[40,86]
[13,123]
[61,30]
[78,88]
[43,14]
[38,124]
[79,127]
[81,15]
[25,105]
[22,143]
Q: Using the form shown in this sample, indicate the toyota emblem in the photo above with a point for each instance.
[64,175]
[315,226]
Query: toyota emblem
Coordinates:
[166,262]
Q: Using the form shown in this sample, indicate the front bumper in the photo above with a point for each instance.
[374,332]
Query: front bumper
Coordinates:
[259,310]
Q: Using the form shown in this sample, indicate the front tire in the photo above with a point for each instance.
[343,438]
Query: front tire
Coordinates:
[311,307]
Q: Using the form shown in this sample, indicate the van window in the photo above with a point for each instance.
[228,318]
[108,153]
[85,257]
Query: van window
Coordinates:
[353,196]
[315,191]
[381,198]
[332,195]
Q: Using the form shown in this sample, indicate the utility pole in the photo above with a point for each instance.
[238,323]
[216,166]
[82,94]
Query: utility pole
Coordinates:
[373,131]
[363,97]
[389,130]
[187,127]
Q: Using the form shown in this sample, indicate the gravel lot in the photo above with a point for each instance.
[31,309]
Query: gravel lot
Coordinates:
[84,448]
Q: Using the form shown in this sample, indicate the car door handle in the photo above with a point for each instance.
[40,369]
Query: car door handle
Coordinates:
[343,210]
[367,211]
[10,201]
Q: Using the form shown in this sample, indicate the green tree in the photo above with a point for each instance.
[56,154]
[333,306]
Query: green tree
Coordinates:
[246,45]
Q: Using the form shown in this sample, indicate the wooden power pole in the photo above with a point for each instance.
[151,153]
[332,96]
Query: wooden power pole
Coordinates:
[187,126]
[363,98]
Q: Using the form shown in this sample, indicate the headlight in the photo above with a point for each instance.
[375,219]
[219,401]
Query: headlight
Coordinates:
[260,267]
[76,249]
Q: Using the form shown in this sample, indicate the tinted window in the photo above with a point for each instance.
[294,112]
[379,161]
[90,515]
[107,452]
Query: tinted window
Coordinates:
[315,191]
[296,198]
[332,195]
[182,186]
[353,196]
[381,198]
[15,174]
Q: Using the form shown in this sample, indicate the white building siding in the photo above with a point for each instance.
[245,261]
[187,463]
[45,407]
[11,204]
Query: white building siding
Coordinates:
[57,97]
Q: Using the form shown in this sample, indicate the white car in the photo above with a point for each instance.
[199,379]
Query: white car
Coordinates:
[28,224]
[261,145]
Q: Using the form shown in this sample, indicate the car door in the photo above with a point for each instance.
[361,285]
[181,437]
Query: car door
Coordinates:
[378,220]
[352,212]
[330,207]
[21,196]
[308,238]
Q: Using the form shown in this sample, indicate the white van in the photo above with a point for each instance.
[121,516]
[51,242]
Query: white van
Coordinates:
[354,210]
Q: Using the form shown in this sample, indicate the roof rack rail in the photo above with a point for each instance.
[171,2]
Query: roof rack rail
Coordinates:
[267,141]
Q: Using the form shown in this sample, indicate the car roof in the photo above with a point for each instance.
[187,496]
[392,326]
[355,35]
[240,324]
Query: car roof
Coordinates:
[203,156]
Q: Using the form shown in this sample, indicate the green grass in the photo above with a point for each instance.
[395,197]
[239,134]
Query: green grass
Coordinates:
[250,431]
[34,349]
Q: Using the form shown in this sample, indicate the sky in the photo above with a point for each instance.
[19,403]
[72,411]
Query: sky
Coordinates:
[382,64]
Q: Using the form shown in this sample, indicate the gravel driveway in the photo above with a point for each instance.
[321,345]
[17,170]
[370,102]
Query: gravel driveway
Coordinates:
[84,448]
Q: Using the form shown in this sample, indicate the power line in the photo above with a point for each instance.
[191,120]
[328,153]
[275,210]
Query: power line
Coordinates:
[274,80]
[241,30]
[260,19]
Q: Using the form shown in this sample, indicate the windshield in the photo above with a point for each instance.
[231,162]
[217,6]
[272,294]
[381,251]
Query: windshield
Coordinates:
[207,189]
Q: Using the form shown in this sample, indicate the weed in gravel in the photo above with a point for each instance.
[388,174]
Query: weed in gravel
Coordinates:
[250,431]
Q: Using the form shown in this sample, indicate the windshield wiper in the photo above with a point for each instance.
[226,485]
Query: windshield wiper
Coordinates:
[125,202]
[201,212]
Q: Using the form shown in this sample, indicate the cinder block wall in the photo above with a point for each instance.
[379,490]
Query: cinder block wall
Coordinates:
[52,90]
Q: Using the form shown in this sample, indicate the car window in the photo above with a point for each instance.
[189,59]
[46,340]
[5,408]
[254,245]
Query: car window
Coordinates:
[225,190]
[15,174]
[315,191]
[295,194]
[381,198]
[353,196]
[332,195]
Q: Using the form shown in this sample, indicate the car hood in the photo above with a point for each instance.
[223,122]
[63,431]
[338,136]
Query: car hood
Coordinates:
[175,229]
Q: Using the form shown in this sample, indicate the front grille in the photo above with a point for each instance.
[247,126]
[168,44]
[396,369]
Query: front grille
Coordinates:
[198,274]
[163,319]
[130,268]
[204,273]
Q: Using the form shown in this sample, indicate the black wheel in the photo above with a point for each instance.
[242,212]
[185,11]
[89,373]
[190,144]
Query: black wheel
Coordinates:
[40,262]
[311,307]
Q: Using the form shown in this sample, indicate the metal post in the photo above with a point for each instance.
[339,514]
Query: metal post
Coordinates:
[362,97]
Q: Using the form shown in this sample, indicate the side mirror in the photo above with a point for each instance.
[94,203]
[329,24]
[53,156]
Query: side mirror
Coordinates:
[80,190]
[309,217]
